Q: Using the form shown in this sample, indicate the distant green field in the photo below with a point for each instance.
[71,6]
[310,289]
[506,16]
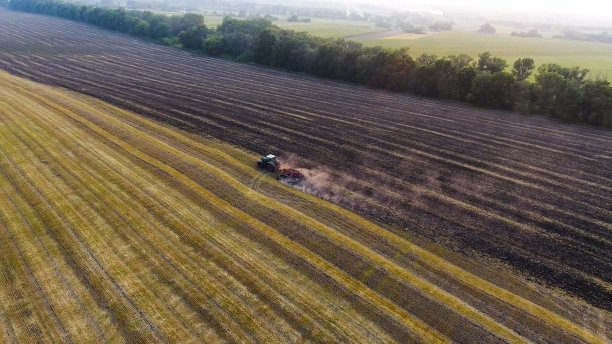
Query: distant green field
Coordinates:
[212,21]
[319,27]
[595,56]
[332,27]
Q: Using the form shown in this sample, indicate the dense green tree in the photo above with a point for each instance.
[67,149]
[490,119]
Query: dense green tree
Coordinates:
[487,28]
[522,68]
[460,61]
[397,71]
[70,11]
[294,51]
[158,26]
[250,27]
[524,97]
[493,90]
[184,22]
[575,73]
[213,45]
[237,44]
[596,103]
[424,80]
[488,63]
[262,49]
[159,30]
[170,41]
[138,26]
[460,83]
[194,38]
[426,59]
[556,95]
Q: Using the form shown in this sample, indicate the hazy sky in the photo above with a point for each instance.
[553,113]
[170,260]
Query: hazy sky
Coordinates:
[579,7]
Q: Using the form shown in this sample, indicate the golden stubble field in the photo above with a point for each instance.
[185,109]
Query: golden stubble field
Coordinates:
[115,228]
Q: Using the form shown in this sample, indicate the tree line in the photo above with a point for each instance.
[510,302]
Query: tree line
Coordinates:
[602,37]
[557,91]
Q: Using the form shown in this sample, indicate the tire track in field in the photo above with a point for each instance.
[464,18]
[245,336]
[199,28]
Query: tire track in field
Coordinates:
[50,300]
[228,209]
[219,153]
[288,210]
[32,313]
[285,209]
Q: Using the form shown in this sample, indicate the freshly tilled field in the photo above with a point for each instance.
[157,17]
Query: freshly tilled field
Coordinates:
[114,228]
[529,192]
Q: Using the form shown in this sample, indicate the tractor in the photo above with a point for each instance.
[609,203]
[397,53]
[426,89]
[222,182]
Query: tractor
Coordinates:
[287,175]
[268,163]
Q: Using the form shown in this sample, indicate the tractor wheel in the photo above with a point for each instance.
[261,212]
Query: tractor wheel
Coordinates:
[259,164]
[271,167]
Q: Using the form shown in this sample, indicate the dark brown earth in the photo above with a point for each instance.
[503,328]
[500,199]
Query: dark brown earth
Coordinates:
[529,191]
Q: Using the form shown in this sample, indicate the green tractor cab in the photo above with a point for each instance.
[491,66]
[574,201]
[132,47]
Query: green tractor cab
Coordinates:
[268,163]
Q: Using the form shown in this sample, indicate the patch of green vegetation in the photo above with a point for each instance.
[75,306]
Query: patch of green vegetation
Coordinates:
[212,21]
[331,27]
[336,28]
[592,55]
